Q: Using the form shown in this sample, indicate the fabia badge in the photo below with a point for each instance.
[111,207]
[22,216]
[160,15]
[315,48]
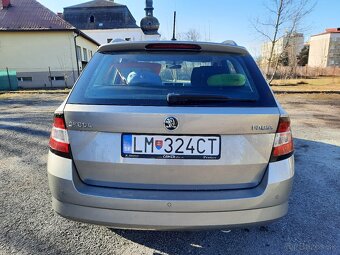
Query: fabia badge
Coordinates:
[171,123]
[262,128]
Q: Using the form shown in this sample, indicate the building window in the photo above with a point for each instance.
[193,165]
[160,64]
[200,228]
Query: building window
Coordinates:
[109,40]
[78,53]
[85,55]
[56,78]
[90,53]
[92,19]
[27,79]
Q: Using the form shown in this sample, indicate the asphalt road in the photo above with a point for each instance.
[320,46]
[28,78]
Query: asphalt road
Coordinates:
[29,226]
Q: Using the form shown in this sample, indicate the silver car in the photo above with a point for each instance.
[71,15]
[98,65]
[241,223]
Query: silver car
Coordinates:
[169,136]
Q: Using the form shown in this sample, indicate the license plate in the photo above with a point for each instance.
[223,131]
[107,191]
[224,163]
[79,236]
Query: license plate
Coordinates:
[171,147]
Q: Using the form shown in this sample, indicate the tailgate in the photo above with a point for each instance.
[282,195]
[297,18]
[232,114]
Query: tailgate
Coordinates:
[246,140]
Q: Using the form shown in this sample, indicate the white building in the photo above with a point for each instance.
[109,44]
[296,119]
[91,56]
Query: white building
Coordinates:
[324,49]
[129,34]
[106,21]
[292,44]
[42,49]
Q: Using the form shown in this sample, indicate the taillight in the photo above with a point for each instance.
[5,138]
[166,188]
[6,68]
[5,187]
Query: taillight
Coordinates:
[283,143]
[59,143]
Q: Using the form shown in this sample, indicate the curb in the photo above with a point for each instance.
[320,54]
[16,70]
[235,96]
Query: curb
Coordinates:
[35,92]
[306,92]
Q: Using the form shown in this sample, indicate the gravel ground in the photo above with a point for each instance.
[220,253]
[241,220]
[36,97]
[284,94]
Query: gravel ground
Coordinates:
[29,226]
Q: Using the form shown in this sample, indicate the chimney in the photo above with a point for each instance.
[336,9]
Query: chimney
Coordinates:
[6,4]
[60,14]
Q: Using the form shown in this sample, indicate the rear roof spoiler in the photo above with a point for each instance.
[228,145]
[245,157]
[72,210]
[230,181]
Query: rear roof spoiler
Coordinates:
[140,46]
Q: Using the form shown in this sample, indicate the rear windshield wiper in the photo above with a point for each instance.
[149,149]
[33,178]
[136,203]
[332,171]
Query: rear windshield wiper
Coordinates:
[182,99]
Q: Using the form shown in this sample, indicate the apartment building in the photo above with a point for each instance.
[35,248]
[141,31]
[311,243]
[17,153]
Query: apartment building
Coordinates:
[292,43]
[324,49]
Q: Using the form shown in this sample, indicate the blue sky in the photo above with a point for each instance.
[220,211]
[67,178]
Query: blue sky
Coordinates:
[225,19]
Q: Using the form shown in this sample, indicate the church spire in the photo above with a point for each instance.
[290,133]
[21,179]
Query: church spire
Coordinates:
[149,8]
[149,24]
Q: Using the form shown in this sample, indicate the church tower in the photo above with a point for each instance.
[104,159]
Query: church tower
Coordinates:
[149,24]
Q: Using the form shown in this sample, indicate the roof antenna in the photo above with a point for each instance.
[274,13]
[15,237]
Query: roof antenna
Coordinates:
[174,29]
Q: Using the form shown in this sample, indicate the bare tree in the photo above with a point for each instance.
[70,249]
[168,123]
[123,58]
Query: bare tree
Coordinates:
[293,52]
[180,36]
[192,35]
[284,18]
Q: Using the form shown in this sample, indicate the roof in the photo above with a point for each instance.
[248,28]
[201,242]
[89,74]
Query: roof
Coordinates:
[329,31]
[141,45]
[30,15]
[96,3]
[104,14]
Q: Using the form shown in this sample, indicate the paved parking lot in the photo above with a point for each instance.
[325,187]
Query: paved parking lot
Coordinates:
[29,226]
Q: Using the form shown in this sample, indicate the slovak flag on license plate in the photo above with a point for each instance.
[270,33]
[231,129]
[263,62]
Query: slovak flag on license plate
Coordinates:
[159,144]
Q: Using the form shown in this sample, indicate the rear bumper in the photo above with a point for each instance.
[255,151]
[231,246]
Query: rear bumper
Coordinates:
[169,220]
[169,210]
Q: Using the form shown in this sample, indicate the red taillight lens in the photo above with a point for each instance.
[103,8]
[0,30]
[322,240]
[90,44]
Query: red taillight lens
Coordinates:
[173,46]
[283,142]
[59,122]
[59,143]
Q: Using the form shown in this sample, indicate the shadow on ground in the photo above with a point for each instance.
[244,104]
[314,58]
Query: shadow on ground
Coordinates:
[17,103]
[29,226]
[308,227]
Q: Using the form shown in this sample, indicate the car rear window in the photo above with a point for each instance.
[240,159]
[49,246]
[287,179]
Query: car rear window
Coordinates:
[148,78]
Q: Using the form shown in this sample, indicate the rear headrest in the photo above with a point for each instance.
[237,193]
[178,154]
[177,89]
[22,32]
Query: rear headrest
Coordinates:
[144,77]
[200,75]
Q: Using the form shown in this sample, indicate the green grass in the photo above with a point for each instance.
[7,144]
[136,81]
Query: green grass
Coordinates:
[317,84]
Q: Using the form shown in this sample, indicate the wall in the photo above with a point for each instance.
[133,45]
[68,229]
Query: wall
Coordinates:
[104,17]
[334,50]
[135,34]
[89,46]
[318,51]
[36,55]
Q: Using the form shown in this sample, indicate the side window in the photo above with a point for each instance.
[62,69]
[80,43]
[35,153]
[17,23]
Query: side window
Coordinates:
[25,79]
[231,67]
[78,53]
[56,78]
[85,58]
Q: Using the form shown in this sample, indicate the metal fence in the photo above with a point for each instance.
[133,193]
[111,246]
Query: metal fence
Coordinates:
[8,80]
